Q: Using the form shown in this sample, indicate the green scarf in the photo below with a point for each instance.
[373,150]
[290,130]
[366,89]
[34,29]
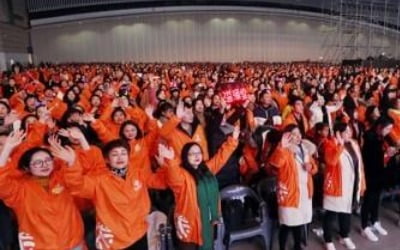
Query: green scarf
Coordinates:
[208,199]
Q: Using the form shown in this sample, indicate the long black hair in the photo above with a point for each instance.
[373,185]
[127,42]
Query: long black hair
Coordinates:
[202,170]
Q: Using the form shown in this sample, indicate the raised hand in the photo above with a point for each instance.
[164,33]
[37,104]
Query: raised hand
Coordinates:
[66,154]
[10,118]
[63,132]
[339,138]
[164,152]
[180,109]
[14,139]
[149,110]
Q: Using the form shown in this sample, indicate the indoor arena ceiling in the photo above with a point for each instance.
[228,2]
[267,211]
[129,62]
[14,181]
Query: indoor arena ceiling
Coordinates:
[382,12]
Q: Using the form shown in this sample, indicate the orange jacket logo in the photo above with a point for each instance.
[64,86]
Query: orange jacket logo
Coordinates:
[58,189]
[137,185]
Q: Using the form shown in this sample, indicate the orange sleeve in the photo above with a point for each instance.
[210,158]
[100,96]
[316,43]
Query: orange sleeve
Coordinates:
[250,119]
[135,90]
[249,156]
[169,126]
[95,159]
[36,133]
[86,92]
[152,136]
[174,174]
[57,109]
[279,157]
[83,186]
[85,104]
[156,180]
[332,152]
[16,103]
[101,130]
[106,115]
[137,115]
[10,191]
[222,155]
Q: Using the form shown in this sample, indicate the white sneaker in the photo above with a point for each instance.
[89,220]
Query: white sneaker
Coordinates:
[319,232]
[378,227]
[330,246]
[367,233]
[348,243]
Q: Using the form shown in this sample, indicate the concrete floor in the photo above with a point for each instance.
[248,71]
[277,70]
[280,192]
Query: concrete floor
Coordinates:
[388,216]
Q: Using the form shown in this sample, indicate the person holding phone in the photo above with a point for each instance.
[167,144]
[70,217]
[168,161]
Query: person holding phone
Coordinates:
[294,167]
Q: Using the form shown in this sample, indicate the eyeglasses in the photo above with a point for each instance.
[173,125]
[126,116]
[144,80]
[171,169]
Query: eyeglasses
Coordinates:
[194,154]
[40,163]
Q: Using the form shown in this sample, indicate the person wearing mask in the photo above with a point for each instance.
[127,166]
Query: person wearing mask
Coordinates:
[196,189]
[343,184]
[294,167]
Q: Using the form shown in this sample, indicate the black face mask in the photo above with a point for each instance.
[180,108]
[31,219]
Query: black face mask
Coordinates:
[121,172]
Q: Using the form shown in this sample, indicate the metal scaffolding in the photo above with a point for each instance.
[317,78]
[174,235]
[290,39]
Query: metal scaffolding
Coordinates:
[361,28]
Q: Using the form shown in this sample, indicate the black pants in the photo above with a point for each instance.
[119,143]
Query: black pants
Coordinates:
[284,233]
[370,207]
[141,244]
[344,224]
[187,246]
[89,222]
[6,227]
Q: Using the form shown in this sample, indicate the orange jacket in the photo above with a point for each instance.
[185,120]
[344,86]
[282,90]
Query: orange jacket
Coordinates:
[248,164]
[108,130]
[122,205]
[57,108]
[288,193]
[92,162]
[176,138]
[184,187]
[395,133]
[50,218]
[333,173]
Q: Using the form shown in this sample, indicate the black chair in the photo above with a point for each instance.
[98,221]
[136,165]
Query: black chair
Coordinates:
[259,225]
[266,189]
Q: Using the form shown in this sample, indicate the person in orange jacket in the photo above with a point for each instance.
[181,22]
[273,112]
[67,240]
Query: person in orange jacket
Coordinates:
[182,129]
[344,183]
[47,215]
[195,189]
[294,167]
[297,116]
[119,194]
[139,143]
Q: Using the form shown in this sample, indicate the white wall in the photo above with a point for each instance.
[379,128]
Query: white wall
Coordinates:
[192,36]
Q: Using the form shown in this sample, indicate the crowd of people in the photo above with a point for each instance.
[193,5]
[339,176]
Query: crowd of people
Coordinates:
[81,146]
